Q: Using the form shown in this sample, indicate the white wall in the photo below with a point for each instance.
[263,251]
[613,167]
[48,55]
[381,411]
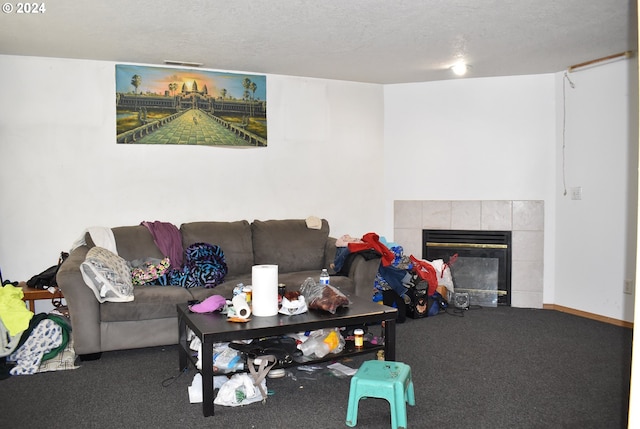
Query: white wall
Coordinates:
[62,170]
[501,139]
[464,139]
[634,397]
[596,236]
[473,139]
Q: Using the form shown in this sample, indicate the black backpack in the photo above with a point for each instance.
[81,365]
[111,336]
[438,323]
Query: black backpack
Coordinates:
[47,278]
[423,305]
[284,348]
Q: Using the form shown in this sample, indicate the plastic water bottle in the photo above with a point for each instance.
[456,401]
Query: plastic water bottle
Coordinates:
[324,277]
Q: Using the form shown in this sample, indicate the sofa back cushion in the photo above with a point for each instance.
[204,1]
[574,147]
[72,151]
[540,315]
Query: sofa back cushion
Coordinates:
[135,242]
[289,244]
[234,238]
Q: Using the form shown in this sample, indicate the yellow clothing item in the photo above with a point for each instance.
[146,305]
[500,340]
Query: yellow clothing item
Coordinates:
[13,311]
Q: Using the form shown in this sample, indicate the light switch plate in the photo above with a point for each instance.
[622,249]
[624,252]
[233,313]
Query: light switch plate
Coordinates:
[576,193]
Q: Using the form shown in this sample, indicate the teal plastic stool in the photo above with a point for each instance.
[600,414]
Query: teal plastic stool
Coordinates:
[386,380]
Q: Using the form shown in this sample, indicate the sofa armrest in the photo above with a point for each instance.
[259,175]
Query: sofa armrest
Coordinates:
[329,252]
[84,308]
[363,272]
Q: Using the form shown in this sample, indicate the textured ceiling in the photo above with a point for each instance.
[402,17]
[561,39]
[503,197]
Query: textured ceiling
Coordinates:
[392,41]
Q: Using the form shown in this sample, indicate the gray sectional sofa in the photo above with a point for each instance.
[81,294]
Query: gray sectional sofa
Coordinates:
[151,318]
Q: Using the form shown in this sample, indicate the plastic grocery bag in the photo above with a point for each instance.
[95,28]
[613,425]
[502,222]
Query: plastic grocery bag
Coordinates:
[293,307]
[443,273]
[239,390]
[323,297]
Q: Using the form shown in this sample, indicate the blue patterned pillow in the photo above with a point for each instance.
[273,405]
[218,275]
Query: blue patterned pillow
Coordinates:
[204,266]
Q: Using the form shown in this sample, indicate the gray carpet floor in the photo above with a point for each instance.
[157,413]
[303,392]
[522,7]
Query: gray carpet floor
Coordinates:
[492,368]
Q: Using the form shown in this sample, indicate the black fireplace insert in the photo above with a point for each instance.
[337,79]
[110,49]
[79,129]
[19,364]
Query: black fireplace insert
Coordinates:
[483,264]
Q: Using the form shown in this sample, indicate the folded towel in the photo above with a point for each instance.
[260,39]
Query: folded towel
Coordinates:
[101,236]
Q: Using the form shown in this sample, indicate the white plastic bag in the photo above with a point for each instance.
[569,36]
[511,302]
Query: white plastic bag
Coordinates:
[443,272]
[195,389]
[290,308]
[239,390]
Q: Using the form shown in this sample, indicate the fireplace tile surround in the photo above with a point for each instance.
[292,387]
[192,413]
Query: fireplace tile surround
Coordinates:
[524,218]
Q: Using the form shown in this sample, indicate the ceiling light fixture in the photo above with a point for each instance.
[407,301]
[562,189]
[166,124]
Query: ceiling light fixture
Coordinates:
[460,68]
[182,63]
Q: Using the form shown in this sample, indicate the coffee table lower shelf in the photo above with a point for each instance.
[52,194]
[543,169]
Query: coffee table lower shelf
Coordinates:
[213,328]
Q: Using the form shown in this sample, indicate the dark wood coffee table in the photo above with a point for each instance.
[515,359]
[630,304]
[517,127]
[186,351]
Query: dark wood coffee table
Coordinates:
[214,328]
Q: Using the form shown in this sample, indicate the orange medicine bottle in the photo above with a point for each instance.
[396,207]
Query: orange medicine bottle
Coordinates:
[358,338]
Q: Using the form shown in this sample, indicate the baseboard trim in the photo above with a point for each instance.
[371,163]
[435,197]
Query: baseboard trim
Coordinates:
[588,315]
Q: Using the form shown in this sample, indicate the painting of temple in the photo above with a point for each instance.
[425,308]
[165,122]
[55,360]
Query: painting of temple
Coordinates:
[161,105]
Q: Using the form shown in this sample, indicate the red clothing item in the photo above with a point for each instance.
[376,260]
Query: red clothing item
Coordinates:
[371,240]
[426,272]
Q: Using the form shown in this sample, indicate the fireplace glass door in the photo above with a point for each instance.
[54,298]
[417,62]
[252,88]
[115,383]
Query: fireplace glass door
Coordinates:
[482,267]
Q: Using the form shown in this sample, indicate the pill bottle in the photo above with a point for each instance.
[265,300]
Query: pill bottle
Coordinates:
[358,338]
[247,290]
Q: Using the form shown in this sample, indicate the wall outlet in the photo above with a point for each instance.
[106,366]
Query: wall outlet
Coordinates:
[628,287]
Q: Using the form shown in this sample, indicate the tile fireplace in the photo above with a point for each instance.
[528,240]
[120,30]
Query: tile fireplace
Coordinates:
[524,219]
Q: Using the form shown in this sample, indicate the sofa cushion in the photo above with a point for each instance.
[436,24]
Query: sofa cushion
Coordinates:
[150,302]
[289,244]
[135,242]
[224,289]
[234,238]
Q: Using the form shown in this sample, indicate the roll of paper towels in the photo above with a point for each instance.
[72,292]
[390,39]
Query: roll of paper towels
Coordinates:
[240,306]
[265,290]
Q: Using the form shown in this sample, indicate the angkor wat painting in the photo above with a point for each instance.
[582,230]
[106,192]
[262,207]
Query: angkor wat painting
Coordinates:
[160,105]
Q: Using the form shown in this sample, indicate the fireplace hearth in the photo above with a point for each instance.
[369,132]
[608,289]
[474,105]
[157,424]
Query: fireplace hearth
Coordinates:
[483,264]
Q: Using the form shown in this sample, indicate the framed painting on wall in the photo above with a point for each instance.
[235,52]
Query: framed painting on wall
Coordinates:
[162,105]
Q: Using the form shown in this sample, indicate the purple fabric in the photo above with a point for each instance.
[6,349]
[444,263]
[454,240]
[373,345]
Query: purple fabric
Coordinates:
[168,239]
[211,304]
